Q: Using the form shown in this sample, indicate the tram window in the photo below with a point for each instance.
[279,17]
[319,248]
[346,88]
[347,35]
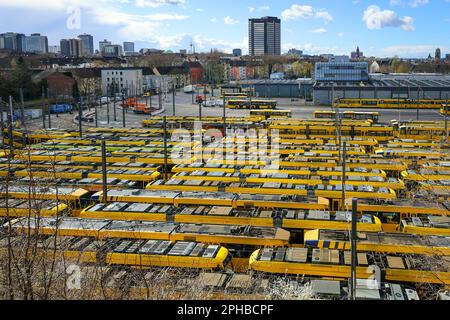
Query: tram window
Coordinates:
[388,217]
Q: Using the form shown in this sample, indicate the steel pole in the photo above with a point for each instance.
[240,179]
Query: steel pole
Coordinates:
[43,108]
[159,98]
[107,106]
[80,116]
[95,111]
[104,173]
[1,118]
[354,239]
[115,112]
[344,174]
[173,98]
[446,119]
[56,103]
[418,88]
[49,111]
[10,124]
[22,108]
[224,117]
[124,122]
[165,146]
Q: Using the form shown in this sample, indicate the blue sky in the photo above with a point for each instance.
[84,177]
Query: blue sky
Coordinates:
[407,28]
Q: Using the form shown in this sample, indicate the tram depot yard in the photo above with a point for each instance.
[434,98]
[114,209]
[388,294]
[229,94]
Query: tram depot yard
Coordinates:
[237,225]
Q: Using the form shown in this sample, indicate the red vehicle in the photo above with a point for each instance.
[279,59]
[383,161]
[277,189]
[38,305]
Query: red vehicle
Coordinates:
[141,108]
[130,103]
[199,98]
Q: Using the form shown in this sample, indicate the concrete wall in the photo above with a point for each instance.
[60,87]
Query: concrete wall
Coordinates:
[277,90]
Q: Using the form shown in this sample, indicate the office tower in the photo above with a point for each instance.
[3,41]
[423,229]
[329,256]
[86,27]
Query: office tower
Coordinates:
[264,36]
[87,42]
[128,47]
[36,43]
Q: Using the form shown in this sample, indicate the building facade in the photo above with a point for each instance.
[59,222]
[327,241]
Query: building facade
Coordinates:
[122,80]
[12,41]
[128,47]
[341,71]
[195,70]
[357,54]
[102,44]
[71,48]
[60,85]
[36,43]
[264,36]
[385,86]
[437,54]
[237,52]
[54,49]
[279,88]
[87,42]
[295,52]
[242,72]
[113,50]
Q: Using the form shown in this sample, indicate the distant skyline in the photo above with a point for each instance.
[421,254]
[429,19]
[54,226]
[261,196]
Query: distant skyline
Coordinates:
[383,28]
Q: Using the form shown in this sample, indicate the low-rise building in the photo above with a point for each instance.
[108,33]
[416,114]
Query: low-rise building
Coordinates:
[122,80]
[195,70]
[60,85]
[164,77]
[341,71]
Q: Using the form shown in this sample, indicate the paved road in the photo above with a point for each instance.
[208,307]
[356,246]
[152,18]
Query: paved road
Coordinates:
[184,107]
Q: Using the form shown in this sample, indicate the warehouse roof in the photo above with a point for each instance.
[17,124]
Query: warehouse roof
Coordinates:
[386,84]
[272,82]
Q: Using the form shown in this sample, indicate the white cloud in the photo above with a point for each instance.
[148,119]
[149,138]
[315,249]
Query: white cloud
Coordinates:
[324,15]
[261,8]
[158,3]
[64,4]
[340,34]
[310,48]
[320,30]
[410,3]
[204,43]
[418,3]
[141,27]
[110,16]
[230,21]
[297,11]
[376,19]
[413,51]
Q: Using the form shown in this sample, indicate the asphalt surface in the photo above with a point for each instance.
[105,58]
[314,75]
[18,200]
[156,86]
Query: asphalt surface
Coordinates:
[184,107]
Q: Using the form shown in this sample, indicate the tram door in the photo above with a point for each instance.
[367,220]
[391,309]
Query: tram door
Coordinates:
[336,205]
